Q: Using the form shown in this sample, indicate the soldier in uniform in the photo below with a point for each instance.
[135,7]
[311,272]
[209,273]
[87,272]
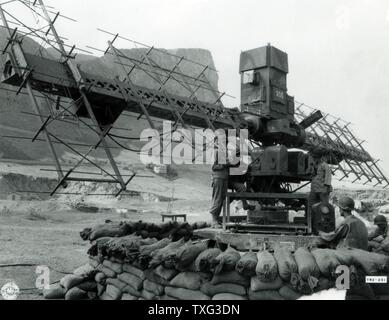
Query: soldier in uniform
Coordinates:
[352,233]
[321,182]
[323,213]
[220,173]
[222,181]
[378,239]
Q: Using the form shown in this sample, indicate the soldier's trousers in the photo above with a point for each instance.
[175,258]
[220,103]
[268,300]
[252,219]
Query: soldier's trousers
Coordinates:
[219,193]
[317,197]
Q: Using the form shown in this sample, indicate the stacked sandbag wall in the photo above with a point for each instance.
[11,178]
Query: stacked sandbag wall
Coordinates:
[133,268]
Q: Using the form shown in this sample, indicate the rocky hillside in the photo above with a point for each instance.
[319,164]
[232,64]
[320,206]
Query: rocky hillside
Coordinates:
[16,114]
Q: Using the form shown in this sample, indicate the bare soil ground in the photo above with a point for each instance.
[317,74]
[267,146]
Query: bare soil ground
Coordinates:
[51,238]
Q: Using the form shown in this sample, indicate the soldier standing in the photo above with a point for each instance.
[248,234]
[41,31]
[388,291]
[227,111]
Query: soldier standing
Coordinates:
[321,183]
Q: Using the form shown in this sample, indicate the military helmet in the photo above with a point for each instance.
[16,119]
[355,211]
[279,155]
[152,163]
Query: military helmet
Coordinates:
[380,219]
[346,203]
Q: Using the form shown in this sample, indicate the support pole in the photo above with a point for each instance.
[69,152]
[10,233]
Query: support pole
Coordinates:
[17,51]
[82,88]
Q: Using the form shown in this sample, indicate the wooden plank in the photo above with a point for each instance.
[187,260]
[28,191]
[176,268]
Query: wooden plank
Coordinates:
[248,195]
[247,241]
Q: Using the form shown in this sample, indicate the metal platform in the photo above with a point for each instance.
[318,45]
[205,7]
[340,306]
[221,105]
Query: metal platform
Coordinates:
[253,241]
[278,229]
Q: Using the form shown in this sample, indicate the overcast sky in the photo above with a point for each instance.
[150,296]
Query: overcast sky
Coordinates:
[338,50]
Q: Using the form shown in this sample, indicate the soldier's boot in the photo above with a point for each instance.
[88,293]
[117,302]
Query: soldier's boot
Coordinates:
[215,222]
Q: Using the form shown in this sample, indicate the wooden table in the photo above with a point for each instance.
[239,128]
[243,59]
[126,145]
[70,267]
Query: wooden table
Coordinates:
[173,217]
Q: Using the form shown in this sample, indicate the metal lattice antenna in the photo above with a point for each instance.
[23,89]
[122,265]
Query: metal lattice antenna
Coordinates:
[334,136]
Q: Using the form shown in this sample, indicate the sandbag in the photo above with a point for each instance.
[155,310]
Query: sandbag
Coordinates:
[191,267]
[135,271]
[324,284]
[265,295]
[161,254]
[306,264]
[170,260]
[189,280]
[85,271]
[305,287]
[138,265]
[226,261]
[94,258]
[106,296]
[100,289]
[286,263]
[134,281]
[344,257]
[153,287]
[266,269]
[167,298]
[165,274]
[92,295]
[116,260]
[116,282]
[247,264]
[149,249]
[187,254]
[84,234]
[385,245]
[55,292]
[125,248]
[100,277]
[98,249]
[88,286]
[326,261]
[113,292]
[289,294]
[109,230]
[152,276]
[129,297]
[228,297]
[108,272]
[257,285]
[130,290]
[185,294]
[212,290]
[230,277]
[76,294]
[115,267]
[372,263]
[204,259]
[93,263]
[70,281]
[148,295]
